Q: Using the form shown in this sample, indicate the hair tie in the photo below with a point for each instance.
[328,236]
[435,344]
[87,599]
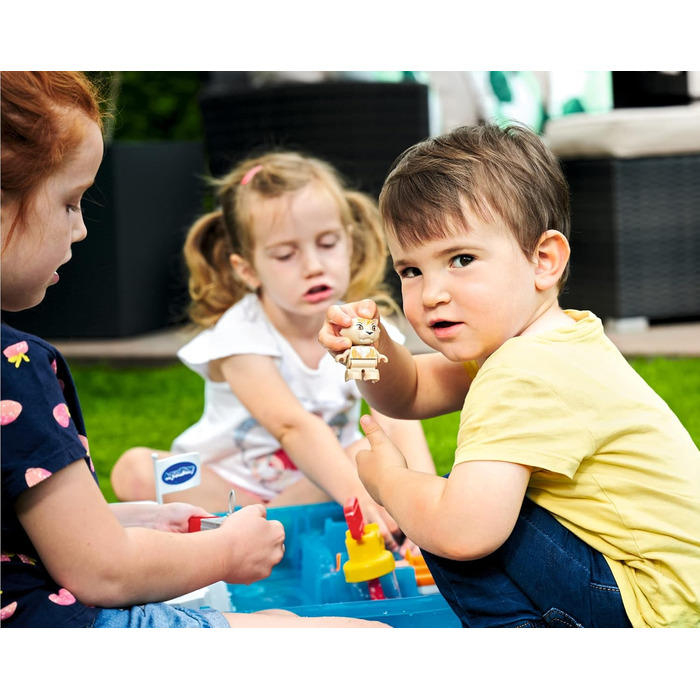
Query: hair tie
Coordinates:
[251,174]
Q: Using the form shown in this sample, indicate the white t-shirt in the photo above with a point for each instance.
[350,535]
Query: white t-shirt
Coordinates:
[232,442]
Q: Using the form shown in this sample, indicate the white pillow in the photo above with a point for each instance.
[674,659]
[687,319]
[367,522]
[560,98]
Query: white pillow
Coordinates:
[626,133]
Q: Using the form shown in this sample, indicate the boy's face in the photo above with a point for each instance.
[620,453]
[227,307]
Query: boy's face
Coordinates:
[468,293]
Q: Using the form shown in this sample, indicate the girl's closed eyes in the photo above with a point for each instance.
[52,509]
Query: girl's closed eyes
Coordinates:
[327,241]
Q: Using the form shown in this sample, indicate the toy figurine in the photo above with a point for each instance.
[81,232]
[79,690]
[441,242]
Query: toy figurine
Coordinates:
[362,358]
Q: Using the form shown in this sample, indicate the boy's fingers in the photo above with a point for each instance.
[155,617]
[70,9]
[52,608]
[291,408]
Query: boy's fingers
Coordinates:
[367,308]
[336,315]
[372,430]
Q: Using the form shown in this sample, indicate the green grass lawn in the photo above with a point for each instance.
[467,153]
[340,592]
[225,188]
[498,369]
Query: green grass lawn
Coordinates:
[129,406]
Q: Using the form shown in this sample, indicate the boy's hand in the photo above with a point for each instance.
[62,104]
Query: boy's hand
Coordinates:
[338,317]
[383,455]
[253,546]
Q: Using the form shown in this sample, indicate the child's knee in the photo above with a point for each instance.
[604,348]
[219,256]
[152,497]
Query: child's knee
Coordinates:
[132,475]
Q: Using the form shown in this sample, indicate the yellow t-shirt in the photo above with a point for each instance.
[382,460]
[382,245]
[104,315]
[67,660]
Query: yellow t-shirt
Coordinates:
[610,460]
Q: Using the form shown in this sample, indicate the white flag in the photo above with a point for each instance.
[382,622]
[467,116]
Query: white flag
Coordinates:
[176,473]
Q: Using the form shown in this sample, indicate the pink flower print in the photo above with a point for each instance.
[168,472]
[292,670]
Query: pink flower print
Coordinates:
[54,366]
[63,597]
[8,611]
[9,410]
[84,440]
[5,557]
[16,353]
[26,559]
[35,475]
[62,415]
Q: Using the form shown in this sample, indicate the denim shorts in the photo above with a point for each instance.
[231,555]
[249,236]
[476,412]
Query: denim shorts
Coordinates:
[542,576]
[159,615]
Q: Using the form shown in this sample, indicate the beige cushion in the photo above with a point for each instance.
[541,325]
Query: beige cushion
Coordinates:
[626,133]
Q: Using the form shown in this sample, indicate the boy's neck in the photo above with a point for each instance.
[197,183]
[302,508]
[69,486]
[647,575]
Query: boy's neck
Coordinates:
[548,318]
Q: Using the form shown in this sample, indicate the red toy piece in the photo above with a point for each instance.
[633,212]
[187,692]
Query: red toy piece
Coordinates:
[376,592]
[204,522]
[354,518]
[195,523]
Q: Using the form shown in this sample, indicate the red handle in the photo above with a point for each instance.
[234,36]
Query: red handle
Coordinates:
[354,519]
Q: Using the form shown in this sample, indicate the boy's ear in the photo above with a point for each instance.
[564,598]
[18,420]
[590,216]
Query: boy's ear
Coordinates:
[551,256]
[244,272]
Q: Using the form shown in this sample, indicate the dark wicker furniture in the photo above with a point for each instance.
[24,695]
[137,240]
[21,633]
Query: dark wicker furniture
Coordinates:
[635,237]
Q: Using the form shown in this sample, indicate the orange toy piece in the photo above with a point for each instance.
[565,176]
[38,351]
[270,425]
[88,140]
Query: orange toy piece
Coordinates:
[423,575]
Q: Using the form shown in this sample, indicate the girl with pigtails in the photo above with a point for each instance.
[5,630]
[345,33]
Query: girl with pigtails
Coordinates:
[280,424]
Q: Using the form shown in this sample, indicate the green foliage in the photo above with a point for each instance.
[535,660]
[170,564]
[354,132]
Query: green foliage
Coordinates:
[135,406]
[154,105]
[441,434]
[149,406]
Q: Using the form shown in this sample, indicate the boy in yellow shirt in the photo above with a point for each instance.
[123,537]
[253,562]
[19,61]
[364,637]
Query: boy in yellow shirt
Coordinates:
[574,499]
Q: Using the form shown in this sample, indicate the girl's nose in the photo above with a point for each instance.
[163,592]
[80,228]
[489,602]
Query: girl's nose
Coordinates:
[312,263]
[79,229]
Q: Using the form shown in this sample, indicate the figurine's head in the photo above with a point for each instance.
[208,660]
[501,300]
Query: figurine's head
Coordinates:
[363,331]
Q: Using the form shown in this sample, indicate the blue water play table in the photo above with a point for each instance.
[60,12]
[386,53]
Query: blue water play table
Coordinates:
[309,580]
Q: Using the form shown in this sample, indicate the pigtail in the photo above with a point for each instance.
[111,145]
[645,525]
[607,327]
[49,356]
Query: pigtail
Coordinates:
[212,285]
[368,266]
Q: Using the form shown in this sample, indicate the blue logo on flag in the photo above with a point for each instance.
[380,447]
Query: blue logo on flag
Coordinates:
[179,473]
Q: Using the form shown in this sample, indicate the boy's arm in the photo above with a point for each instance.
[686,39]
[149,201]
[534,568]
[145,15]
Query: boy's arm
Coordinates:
[467,516]
[410,387]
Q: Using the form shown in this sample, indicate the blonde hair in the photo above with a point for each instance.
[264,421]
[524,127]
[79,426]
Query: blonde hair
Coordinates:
[215,236]
[503,170]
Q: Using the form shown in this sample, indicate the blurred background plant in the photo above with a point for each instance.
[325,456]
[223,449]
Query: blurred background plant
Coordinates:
[152,105]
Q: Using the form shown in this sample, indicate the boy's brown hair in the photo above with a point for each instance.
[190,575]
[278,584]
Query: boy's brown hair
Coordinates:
[498,171]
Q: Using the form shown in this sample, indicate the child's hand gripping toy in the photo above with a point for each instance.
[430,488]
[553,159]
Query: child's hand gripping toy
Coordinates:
[203,522]
[368,559]
[362,358]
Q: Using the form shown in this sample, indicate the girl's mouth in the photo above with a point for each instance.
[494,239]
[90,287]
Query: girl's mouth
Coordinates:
[321,292]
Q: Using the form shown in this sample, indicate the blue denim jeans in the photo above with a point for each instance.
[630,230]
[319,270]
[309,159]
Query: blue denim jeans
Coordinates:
[154,615]
[542,576]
